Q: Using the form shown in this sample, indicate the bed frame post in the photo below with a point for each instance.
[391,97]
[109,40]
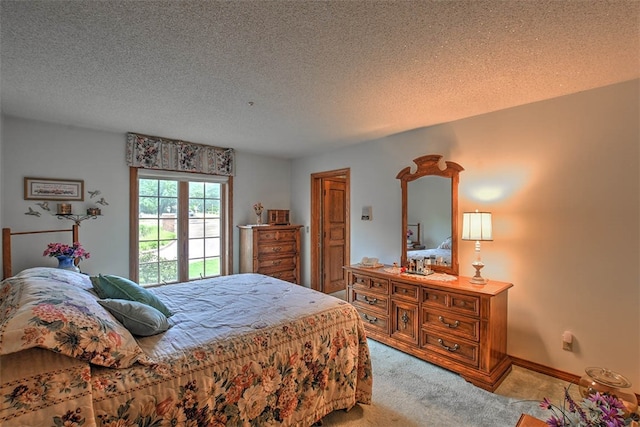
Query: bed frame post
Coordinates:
[6,253]
[74,238]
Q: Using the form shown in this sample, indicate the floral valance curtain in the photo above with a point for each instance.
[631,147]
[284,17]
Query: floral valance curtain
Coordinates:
[152,152]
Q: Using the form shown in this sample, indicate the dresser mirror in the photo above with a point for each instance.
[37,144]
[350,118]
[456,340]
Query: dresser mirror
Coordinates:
[430,213]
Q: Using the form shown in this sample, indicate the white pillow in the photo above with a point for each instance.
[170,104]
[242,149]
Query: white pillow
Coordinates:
[446,244]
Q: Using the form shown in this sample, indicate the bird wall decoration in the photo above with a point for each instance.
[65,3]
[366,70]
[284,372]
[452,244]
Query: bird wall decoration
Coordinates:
[32,212]
[92,212]
[43,205]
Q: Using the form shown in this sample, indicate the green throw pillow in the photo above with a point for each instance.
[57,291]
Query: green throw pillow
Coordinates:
[116,287]
[140,319]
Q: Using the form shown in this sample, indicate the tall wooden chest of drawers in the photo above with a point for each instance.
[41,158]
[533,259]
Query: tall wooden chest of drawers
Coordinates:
[272,250]
[453,324]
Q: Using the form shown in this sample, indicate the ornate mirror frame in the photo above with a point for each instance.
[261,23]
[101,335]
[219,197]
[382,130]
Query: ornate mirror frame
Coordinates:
[428,165]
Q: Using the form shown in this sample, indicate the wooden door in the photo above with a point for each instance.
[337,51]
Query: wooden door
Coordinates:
[333,234]
[329,236]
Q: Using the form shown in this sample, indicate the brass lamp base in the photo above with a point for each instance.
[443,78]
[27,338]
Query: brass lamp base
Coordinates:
[478,279]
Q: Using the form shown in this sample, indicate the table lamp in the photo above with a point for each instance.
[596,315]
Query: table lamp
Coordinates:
[477,226]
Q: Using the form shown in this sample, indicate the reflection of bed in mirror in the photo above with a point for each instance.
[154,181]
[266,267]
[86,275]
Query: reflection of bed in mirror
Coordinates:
[443,250]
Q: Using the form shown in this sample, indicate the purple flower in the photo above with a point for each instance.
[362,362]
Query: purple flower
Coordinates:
[554,421]
[594,410]
[545,404]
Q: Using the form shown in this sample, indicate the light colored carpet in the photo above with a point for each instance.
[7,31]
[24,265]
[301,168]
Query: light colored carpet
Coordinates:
[410,392]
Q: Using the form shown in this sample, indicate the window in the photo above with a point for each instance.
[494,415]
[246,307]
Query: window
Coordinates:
[182,226]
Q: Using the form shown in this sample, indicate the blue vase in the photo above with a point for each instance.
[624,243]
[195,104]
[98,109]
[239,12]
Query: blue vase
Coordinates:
[66,263]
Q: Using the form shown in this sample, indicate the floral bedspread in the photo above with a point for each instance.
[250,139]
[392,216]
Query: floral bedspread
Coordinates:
[242,350]
[41,388]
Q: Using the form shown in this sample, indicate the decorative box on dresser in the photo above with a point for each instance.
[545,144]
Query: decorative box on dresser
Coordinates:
[454,324]
[273,250]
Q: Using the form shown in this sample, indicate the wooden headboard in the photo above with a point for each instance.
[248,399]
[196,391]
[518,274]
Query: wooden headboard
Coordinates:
[6,244]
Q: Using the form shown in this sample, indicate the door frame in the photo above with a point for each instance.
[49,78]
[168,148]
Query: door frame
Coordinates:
[317,180]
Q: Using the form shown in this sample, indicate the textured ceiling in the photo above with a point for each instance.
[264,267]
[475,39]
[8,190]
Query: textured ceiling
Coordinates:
[292,78]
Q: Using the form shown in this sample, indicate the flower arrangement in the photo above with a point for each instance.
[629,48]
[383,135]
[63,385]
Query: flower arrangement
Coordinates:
[595,410]
[73,251]
[409,233]
[258,208]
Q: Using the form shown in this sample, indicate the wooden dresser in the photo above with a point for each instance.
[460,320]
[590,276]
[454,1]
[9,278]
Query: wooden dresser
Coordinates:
[453,324]
[273,250]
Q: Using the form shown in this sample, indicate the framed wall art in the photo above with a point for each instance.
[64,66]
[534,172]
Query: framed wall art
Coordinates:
[53,189]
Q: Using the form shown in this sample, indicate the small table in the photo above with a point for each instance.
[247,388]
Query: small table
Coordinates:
[529,421]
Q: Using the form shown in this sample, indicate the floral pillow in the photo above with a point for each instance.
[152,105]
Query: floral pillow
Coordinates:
[80,280]
[50,313]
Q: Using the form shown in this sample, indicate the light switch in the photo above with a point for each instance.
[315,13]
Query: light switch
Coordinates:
[367,213]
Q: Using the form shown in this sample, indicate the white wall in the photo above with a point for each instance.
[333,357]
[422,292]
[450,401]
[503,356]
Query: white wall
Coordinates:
[562,180]
[45,150]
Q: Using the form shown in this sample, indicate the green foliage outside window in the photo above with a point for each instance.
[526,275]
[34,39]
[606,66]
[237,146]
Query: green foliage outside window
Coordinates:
[158,196]
[149,235]
[209,268]
[152,271]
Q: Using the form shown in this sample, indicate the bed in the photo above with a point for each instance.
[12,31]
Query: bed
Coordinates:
[244,349]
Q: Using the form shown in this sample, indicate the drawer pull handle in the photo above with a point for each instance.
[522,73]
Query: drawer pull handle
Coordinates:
[277,249]
[370,301]
[446,347]
[370,319]
[404,291]
[405,319]
[449,325]
[276,262]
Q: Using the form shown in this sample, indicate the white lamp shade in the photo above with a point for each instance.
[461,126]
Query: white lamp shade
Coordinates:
[477,226]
